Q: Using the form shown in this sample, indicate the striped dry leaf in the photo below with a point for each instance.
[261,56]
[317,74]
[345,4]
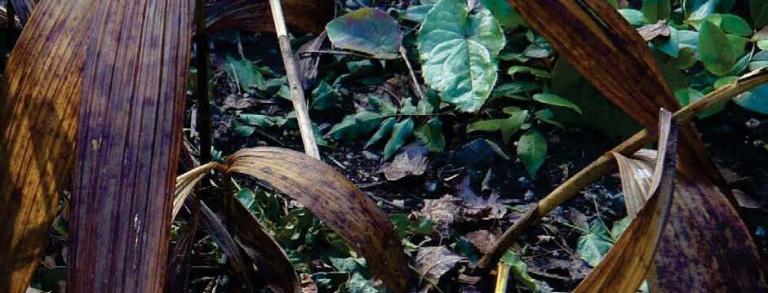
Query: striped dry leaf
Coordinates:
[38,117]
[333,199]
[626,264]
[612,56]
[129,133]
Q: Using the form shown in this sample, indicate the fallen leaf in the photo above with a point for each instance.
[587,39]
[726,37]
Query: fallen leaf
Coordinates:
[404,165]
[434,262]
[444,211]
[652,31]
[483,240]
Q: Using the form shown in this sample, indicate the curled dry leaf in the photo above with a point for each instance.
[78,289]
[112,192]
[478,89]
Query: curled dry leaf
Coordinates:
[185,185]
[708,226]
[336,201]
[652,31]
[626,264]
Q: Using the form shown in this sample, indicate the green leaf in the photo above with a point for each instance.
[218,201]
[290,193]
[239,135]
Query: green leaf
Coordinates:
[515,88]
[733,24]
[383,107]
[324,97]
[459,51]
[716,50]
[400,134]
[504,12]
[593,246]
[485,125]
[755,100]
[556,100]
[385,128]
[359,284]
[416,13]
[633,16]
[547,116]
[532,150]
[246,123]
[519,270]
[245,73]
[619,227]
[367,30]
[689,95]
[655,10]
[354,126]
[760,60]
[247,197]
[529,70]
[431,134]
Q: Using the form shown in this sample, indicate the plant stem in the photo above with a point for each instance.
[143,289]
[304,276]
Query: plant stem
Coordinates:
[297,93]
[415,80]
[605,164]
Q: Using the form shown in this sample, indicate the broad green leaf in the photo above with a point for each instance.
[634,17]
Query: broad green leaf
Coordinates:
[359,284]
[416,13]
[367,30]
[485,125]
[504,12]
[655,10]
[556,100]
[431,134]
[459,51]
[760,60]
[512,124]
[619,227]
[385,128]
[759,11]
[716,51]
[400,134]
[246,124]
[671,45]
[529,70]
[515,88]
[354,126]
[547,116]
[755,100]
[733,24]
[633,16]
[532,151]
[593,246]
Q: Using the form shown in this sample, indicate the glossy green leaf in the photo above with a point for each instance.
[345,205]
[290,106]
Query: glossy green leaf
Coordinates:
[354,126]
[324,96]
[734,24]
[532,151]
[385,128]
[381,106]
[593,246]
[716,51]
[459,51]
[513,70]
[556,100]
[431,134]
[755,100]
[504,12]
[245,73]
[400,134]
[367,30]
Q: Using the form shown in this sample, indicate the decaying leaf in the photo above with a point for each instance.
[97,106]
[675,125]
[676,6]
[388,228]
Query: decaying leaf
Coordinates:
[434,262]
[626,264]
[336,201]
[404,165]
[652,31]
[367,30]
[593,29]
[185,185]
[483,240]
[444,211]
[38,116]
[255,15]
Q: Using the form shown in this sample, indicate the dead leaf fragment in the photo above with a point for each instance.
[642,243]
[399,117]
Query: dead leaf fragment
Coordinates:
[444,212]
[483,240]
[652,31]
[405,165]
[434,262]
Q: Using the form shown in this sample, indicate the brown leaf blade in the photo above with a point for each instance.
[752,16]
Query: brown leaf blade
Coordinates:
[129,136]
[626,264]
[612,56]
[38,117]
[336,201]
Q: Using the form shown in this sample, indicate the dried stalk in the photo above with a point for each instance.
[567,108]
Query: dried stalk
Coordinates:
[294,81]
[605,163]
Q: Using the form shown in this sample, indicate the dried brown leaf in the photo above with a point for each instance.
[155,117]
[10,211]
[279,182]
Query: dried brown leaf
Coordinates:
[626,264]
[404,165]
[336,201]
[434,262]
[483,240]
[652,31]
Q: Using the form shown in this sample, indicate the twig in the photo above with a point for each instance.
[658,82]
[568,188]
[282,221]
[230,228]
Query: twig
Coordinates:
[203,103]
[415,80]
[297,93]
[604,164]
